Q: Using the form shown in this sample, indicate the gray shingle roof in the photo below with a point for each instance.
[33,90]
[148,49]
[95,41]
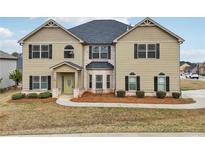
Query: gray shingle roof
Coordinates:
[99,65]
[99,31]
[4,55]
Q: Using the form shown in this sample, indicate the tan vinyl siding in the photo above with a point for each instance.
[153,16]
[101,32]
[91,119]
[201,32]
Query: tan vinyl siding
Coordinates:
[147,68]
[59,39]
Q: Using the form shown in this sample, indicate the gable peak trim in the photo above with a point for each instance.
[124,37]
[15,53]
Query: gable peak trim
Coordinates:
[149,22]
[49,23]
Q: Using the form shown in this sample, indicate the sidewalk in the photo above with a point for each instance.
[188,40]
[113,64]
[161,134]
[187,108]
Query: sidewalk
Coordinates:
[197,95]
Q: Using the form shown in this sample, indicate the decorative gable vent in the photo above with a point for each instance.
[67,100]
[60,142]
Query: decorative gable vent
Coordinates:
[51,24]
[147,23]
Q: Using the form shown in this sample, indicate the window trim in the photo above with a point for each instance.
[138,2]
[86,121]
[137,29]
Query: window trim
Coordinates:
[40,82]
[165,84]
[100,52]
[98,81]
[129,82]
[40,51]
[146,51]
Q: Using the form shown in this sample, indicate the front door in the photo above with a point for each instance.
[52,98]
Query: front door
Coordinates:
[68,84]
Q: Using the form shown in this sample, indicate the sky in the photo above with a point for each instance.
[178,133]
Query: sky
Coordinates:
[192,30]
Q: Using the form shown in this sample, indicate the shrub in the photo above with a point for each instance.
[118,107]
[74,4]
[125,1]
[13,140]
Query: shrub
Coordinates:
[45,95]
[161,94]
[176,95]
[140,94]
[18,96]
[2,90]
[120,93]
[32,95]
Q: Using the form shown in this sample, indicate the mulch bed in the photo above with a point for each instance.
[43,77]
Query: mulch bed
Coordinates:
[111,98]
[29,100]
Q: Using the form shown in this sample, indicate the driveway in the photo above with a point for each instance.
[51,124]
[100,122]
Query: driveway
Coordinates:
[197,95]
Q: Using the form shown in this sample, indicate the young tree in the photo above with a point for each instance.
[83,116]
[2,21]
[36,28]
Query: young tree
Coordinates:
[16,76]
[1,79]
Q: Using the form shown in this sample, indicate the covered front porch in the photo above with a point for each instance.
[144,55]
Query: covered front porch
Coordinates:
[66,79]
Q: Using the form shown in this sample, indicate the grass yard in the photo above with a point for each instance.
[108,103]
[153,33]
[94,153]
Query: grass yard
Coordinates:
[50,118]
[192,84]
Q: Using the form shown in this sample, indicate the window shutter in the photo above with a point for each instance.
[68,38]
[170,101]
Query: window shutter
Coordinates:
[167,83]
[157,51]
[30,51]
[50,51]
[135,51]
[30,82]
[155,83]
[126,83]
[90,52]
[138,83]
[49,82]
[109,52]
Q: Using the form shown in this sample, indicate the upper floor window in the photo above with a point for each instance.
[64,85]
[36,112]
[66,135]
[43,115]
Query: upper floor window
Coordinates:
[69,51]
[40,51]
[147,50]
[99,52]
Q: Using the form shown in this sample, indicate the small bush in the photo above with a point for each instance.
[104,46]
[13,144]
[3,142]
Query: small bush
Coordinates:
[161,94]
[176,95]
[120,93]
[32,95]
[18,96]
[45,95]
[140,94]
[2,90]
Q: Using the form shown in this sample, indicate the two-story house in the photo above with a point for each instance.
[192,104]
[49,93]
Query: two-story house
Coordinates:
[101,55]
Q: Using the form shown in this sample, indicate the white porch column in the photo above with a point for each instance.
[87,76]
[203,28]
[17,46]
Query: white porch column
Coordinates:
[76,79]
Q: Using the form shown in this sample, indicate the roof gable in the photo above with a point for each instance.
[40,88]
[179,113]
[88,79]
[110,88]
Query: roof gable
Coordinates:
[149,22]
[49,23]
[4,55]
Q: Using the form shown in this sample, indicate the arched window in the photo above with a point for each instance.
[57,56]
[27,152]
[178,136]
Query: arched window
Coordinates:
[161,82]
[69,51]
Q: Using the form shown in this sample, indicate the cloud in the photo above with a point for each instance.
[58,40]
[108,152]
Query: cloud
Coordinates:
[10,46]
[80,20]
[5,32]
[193,55]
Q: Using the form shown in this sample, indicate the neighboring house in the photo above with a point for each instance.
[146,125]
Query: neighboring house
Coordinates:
[7,65]
[185,68]
[199,69]
[19,65]
[101,56]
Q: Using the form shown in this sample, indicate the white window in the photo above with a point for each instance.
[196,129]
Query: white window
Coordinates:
[99,81]
[151,53]
[100,52]
[161,83]
[36,82]
[69,51]
[44,51]
[44,82]
[104,52]
[132,82]
[36,51]
[95,52]
[146,50]
[40,51]
[40,82]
